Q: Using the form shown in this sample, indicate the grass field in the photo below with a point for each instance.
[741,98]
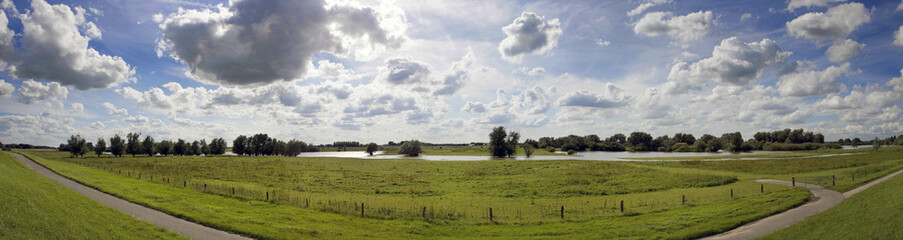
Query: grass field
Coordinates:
[283,197]
[34,207]
[871,214]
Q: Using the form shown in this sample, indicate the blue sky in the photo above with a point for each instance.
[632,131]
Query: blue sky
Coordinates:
[448,71]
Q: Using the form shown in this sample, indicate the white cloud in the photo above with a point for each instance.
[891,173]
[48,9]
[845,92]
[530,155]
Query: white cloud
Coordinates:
[537,71]
[458,75]
[733,62]
[32,91]
[157,17]
[113,111]
[237,45]
[843,50]
[474,107]
[745,16]
[897,82]
[529,33]
[611,97]
[35,129]
[136,119]
[812,83]
[686,28]
[837,22]
[898,37]
[78,107]
[98,125]
[794,4]
[404,71]
[6,89]
[900,7]
[646,5]
[602,43]
[53,48]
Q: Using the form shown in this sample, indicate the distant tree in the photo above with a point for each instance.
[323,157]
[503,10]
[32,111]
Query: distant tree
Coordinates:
[847,141]
[410,148]
[147,146]
[684,138]
[133,146]
[217,146]
[257,143]
[733,141]
[294,147]
[195,148]
[165,147]
[528,149]
[818,138]
[640,141]
[546,142]
[100,147]
[532,142]
[372,148]
[511,142]
[876,144]
[855,142]
[840,141]
[618,138]
[239,145]
[117,145]
[180,147]
[497,145]
[77,145]
[592,138]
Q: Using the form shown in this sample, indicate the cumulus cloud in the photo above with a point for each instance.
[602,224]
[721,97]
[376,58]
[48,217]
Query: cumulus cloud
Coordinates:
[32,91]
[474,107]
[6,89]
[78,107]
[794,4]
[745,16]
[733,62]
[137,119]
[843,50]
[837,22]
[812,83]
[404,71]
[898,37]
[260,42]
[611,97]
[531,71]
[383,104]
[646,5]
[685,28]
[458,74]
[113,111]
[529,33]
[35,129]
[897,82]
[332,70]
[53,48]
[98,125]
[602,43]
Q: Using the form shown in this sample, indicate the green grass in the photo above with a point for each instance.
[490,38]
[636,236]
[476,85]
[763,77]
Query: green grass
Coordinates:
[35,207]
[286,221]
[783,154]
[870,214]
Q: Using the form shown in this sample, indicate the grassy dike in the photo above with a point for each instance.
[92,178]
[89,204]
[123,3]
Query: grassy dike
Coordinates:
[35,207]
[870,214]
[268,220]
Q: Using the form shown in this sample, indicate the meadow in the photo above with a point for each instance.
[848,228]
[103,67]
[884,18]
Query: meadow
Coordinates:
[35,207]
[285,197]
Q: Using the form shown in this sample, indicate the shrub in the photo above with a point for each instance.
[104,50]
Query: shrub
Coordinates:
[410,148]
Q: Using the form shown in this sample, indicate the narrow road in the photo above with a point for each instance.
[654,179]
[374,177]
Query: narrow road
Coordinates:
[181,226]
[823,200]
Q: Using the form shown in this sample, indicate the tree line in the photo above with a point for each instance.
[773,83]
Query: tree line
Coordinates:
[262,145]
[132,144]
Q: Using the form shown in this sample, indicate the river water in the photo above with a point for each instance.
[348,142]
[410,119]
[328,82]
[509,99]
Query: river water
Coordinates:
[595,156]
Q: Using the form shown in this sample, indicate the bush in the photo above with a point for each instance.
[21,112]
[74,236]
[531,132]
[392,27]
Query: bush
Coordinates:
[410,148]
[550,149]
[799,146]
[608,146]
[567,147]
[681,147]
[571,152]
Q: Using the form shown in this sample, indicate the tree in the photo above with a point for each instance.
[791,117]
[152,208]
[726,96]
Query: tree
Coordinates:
[592,138]
[147,147]
[179,147]
[257,143]
[204,148]
[239,145]
[218,146]
[134,144]
[734,141]
[100,147]
[545,142]
[410,148]
[164,147]
[497,144]
[77,145]
[640,141]
[511,142]
[876,144]
[855,142]
[618,138]
[371,148]
[195,148]
[532,142]
[818,138]
[528,149]
[117,145]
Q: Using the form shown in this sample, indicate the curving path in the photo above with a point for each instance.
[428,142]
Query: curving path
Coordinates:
[181,226]
[823,200]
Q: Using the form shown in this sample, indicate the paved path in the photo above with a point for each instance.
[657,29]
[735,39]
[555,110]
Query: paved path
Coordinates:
[823,200]
[181,226]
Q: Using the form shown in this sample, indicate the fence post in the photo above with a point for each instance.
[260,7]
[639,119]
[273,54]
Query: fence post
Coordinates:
[854,176]
[793,181]
[562,211]
[490,214]
[362,209]
[683,199]
[205,187]
[423,212]
[268,196]
[233,191]
[622,206]
[732,193]
[832,180]
[762,189]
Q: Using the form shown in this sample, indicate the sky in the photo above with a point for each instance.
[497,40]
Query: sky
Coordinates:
[447,71]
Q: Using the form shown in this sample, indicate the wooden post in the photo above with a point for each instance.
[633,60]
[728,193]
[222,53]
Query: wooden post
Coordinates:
[362,209]
[732,193]
[185,184]
[832,180]
[423,212]
[622,206]
[306,203]
[139,175]
[205,187]
[233,191]
[490,214]
[854,176]
[562,211]
[762,189]
[793,181]
[683,199]
[268,196]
